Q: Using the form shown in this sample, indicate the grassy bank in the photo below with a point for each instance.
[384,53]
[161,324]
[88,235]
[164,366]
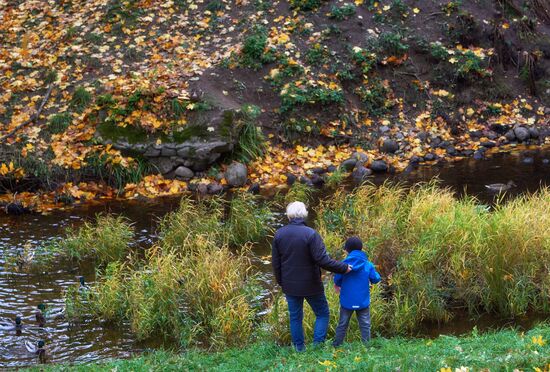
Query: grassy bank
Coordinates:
[506,350]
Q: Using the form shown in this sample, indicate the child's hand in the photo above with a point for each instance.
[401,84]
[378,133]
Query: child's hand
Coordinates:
[336,289]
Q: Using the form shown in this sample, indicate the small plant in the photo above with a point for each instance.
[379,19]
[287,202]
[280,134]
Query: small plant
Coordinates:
[374,95]
[336,178]
[364,58]
[215,6]
[305,4]
[249,221]
[343,12]
[50,76]
[255,51]
[58,123]
[298,94]
[317,55]
[251,141]
[93,38]
[81,99]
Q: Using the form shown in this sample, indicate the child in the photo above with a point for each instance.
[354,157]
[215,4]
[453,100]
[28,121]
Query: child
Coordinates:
[354,289]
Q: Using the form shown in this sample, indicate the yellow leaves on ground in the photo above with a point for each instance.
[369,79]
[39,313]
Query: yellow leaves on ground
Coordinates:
[11,170]
[154,186]
[538,340]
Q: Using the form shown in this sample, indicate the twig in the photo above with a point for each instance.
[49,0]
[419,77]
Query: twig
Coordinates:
[33,116]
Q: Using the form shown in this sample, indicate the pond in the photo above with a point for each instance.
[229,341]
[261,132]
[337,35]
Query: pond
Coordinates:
[21,292]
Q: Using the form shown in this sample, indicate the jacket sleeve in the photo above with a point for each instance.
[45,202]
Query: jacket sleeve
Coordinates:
[338,279]
[374,277]
[320,257]
[276,261]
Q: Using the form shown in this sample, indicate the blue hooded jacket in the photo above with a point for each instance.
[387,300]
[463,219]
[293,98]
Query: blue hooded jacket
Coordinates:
[355,286]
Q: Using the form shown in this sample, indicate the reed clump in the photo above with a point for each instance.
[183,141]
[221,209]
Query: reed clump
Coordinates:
[438,253]
[106,239]
[190,286]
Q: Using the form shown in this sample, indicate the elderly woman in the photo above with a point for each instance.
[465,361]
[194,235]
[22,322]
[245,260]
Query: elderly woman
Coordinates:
[298,254]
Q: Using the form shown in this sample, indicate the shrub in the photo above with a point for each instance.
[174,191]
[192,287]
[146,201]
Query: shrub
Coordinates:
[107,239]
[255,51]
[251,141]
[58,123]
[317,54]
[298,94]
[305,4]
[343,12]
[81,99]
[374,95]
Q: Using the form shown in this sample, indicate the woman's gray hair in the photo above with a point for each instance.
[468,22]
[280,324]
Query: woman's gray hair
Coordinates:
[296,210]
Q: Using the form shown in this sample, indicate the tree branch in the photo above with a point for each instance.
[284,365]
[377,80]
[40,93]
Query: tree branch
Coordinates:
[33,116]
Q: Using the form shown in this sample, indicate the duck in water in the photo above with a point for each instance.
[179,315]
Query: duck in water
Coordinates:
[8,325]
[42,315]
[500,187]
[39,350]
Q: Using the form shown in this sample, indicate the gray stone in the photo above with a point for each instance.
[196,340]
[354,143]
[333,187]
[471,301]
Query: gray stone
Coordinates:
[202,188]
[360,173]
[214,188]
[164,165]
[534,132]
[478,155]
[166,151]
[510,135]
[522,134]
[254,188]
[236,174]
[361,157]
[379,166]
[317,180]
[290,179]
[151,152]
[430,157]
[389,146]
[528,160]
[348,164]
[488,144]
[384,129]
[184,151]
[184,173]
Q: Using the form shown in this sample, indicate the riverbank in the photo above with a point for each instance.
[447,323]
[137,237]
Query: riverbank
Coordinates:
[505,350]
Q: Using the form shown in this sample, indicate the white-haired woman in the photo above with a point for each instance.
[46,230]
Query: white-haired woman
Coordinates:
[298,254]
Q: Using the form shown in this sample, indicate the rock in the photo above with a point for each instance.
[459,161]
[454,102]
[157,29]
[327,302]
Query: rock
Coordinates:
[317,180]
[202,188]
[400,136]
[236,174]
[528,160]
[415,159]
[435,142]
[361,157]
[254,188]
[214,188]
[478,155]
[384,129]
[451,150]
[422,136]
[184,173]
[164,165]
[184,151]
[389,146]
[318,170]
[379,166]
[360,173]
[545,161]
[488,144]
[348,164]
[522,134]
[430,157]
[476,133]
[290,179]
[151,152]
[534,132]
[166,151]
[306,181]
[510,135]
[492,135]
[467,152]
[331,169]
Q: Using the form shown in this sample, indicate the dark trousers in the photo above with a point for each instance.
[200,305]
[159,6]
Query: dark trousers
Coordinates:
[319,306]
[363,317]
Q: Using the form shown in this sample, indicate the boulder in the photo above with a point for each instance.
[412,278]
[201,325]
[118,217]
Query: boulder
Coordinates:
[528,160]
[379,166]
[510,135]
[522,133]
[361,157]
[389,146]
[151,152]
[164,165]
[317,180]
[214,188]
[348,164]
[534,132]
[360,173]
[236,174]
[184,173]
[167,151]
[254,188]
[478,155]
[290,179]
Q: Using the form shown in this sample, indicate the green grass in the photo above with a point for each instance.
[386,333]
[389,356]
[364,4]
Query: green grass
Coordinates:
[58,123]
[505,350]
[81,99]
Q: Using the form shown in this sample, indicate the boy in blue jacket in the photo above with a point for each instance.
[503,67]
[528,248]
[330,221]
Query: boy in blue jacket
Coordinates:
[354,289]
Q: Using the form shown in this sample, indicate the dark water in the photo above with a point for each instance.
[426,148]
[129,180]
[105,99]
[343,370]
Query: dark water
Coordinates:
[20,292]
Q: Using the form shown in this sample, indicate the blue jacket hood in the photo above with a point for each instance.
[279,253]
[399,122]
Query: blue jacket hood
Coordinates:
[355,286]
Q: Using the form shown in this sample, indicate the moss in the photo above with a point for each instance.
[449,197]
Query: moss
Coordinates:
[111,131]
[190,131]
